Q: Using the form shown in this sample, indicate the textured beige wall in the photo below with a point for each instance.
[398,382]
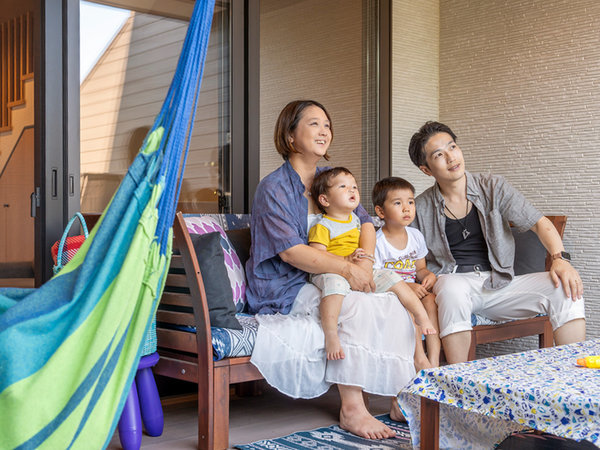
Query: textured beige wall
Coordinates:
[519,85]
[312,50]
[415,79]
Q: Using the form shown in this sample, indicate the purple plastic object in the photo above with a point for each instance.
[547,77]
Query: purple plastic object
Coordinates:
[143,403]
[130,423]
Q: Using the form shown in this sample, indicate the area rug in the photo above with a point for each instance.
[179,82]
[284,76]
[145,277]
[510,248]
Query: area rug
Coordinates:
[334,437]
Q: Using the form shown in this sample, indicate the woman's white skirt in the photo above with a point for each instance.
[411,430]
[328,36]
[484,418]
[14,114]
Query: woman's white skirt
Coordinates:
[376,333]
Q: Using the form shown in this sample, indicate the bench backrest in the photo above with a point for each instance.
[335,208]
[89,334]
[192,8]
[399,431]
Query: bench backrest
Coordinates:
[184,304]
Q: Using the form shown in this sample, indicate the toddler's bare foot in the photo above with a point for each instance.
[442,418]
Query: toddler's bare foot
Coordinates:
[396,413]
[361,423]
[425,324]
[333,348]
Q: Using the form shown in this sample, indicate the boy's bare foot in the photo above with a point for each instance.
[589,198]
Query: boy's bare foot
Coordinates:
[333,348]
[395,412]
[421,362]
[361,423]
[433,362]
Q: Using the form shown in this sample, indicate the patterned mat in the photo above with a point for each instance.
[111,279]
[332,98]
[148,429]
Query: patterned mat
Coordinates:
[334,437]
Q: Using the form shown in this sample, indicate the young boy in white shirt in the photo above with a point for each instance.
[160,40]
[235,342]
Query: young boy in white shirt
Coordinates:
[402,249]
[338,231]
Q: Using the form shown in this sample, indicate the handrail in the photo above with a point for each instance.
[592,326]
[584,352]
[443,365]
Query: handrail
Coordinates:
[16,64]
[25,128]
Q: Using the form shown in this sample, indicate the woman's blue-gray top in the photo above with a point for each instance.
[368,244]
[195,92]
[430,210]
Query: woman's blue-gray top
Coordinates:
[278,222]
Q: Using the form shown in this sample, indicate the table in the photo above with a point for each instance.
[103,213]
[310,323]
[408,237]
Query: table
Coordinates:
[479,403]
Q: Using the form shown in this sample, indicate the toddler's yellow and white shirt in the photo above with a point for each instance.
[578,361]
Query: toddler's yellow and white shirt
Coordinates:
[340,237]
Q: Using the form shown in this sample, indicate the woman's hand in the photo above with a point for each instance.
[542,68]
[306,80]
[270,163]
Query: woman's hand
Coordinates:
[360,275]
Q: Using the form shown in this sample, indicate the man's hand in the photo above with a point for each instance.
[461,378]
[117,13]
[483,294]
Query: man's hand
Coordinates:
[418,289]
[562,272]
[360,276]
[428,281]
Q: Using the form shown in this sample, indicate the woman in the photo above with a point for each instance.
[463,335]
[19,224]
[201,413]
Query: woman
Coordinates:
[375,329]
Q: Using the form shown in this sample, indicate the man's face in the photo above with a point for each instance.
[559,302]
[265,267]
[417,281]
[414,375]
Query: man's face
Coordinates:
[444,158]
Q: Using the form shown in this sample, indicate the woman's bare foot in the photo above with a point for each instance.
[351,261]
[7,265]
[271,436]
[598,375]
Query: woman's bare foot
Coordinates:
[395,412]
[358,421]
[333,348]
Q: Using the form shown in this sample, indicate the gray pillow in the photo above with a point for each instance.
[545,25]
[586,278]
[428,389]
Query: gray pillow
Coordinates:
[216,281]
[530,254]
[240,239]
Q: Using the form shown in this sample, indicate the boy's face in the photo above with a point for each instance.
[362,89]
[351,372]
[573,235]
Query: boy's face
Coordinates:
[398,208]
[342,195]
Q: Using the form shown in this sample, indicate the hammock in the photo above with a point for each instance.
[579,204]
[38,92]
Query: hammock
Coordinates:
[69,350]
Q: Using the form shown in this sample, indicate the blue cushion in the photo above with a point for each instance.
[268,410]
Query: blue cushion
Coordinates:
[228,343]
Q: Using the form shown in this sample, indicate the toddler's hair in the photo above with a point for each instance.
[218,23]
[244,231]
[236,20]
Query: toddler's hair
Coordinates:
[384,186]
[321,183]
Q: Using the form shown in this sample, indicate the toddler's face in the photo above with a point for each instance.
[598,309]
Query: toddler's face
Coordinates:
[342,194]
[398,208]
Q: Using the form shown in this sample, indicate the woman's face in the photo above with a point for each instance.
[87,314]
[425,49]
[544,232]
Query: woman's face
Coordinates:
[312,135]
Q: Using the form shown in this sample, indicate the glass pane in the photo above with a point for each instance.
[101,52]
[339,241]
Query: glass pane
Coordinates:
[130,58]
[324,51]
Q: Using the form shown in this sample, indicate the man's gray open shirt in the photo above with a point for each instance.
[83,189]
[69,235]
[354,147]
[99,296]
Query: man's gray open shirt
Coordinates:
[497,204]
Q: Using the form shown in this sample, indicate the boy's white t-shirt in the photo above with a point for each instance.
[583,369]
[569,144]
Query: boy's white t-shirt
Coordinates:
[402,261]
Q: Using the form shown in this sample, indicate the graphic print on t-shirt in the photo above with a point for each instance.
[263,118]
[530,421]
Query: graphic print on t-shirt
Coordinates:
[404,266]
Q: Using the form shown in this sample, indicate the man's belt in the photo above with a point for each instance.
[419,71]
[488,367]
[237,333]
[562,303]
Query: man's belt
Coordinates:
[466,268]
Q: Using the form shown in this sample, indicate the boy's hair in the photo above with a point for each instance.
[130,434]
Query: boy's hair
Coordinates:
[416,148]
[384,186]
[287,122]
[321,183]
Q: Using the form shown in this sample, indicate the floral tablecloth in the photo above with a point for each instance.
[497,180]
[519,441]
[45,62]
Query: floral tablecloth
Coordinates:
[483,401]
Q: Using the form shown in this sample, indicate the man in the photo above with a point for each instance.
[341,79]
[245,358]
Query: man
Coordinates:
[464,218]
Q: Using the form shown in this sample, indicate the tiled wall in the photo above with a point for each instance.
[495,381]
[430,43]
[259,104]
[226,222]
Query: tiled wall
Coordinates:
[519,83]
[312,50]
[415,79]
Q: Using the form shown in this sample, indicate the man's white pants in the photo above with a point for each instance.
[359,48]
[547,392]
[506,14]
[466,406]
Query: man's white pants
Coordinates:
[460,294]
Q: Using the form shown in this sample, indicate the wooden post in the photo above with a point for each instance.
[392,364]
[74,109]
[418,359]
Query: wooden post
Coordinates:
[430,421]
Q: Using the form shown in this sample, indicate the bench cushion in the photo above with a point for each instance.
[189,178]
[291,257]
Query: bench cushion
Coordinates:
[210,256]
[207,223]
[231,343]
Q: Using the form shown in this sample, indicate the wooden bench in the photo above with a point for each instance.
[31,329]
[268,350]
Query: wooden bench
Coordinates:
[540,326]
[188,356]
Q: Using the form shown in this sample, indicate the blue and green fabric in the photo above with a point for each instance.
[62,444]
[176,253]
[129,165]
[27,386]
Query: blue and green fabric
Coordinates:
[69,350]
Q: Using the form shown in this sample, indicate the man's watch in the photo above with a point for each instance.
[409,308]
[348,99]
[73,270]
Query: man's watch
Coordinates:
[562,255]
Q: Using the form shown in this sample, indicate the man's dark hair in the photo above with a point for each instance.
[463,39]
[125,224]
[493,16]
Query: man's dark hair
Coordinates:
[322,183]
[384,186]
[416,148]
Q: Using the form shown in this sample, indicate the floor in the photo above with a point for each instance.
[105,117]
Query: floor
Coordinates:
[251,418]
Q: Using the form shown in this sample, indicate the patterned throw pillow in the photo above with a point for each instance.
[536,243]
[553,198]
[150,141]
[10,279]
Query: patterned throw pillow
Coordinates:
[235,270]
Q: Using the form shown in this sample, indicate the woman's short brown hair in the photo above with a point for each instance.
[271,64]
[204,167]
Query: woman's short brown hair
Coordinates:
[287,122]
